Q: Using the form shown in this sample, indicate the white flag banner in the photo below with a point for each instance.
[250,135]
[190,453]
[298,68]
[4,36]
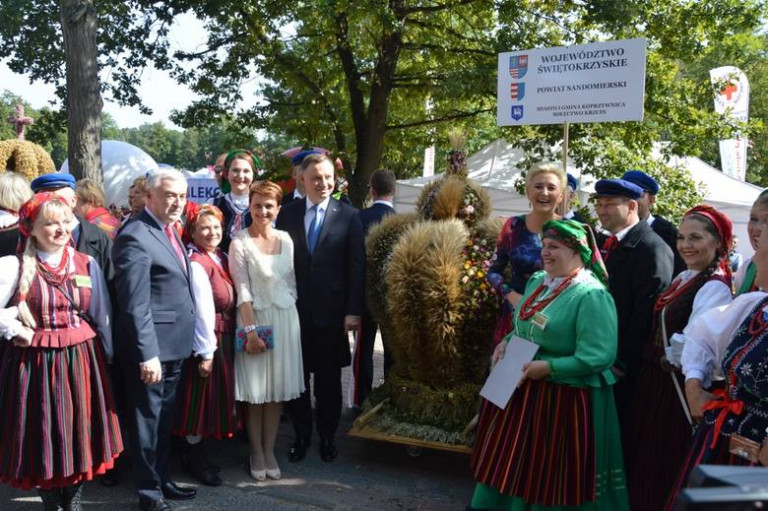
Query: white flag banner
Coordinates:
[732,100]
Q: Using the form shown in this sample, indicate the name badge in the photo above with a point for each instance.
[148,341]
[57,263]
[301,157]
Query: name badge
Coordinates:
[540,320]
[82,281]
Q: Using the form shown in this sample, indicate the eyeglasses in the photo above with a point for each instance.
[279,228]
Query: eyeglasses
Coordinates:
[218,169]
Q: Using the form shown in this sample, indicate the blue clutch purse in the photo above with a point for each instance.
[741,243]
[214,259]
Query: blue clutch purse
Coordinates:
[264,332]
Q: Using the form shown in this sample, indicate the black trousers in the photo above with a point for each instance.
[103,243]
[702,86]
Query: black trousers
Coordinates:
[327,394]
[362,365]
[150,412]
[325,352]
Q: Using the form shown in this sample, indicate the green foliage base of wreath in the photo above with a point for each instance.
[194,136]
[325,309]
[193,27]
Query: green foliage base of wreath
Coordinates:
[424,408]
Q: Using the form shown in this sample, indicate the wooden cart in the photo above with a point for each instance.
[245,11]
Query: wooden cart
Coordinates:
[361,429]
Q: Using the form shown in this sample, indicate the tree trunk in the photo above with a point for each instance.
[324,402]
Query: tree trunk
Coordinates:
[78,24]
[370,139]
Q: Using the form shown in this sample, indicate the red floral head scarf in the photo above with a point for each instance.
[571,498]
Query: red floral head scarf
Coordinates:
[29,212]
[723,226]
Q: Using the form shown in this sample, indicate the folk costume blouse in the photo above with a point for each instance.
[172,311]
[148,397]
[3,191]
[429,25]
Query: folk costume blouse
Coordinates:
[580,337]
[707,338]
[714,293]
[99,307]
[204,344]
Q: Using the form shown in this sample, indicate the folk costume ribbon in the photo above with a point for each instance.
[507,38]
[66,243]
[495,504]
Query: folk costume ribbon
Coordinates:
[726,405]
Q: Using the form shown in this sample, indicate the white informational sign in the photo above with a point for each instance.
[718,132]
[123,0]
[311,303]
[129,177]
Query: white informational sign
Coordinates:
[200,189]
[506,374]
[732,100]
[598,82]
[429,162]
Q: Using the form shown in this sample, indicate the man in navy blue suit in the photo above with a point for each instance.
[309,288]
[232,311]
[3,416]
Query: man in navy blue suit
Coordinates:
[329,261]
[157,319]
[382,189]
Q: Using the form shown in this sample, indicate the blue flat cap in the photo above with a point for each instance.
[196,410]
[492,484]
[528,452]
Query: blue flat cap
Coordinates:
[296,160]
[617,188]
[54,180]
[643,180]
[573,183]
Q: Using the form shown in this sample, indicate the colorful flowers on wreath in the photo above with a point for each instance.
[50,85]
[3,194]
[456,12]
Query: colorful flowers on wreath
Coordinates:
[468,210]
[478,253]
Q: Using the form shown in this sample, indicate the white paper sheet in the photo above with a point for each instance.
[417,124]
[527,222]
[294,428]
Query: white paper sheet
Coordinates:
[506,374]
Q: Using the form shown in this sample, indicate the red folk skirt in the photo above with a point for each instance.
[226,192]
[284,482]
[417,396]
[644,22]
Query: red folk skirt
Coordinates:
[541,447]
[206,406]
[660,437]
[58,425]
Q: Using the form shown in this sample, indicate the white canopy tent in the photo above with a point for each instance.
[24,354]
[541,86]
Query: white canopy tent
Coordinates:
[494,167]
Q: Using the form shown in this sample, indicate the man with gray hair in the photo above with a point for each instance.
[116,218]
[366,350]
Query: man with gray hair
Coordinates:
[157,319]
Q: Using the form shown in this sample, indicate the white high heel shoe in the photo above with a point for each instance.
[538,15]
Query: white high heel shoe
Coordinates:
[259,475]
[273,474]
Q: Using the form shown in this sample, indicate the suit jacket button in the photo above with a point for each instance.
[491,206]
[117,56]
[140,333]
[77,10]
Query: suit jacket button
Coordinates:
[192,311]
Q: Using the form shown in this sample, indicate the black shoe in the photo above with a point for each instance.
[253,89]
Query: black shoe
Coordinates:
[51,499]
[204,475]
[110,478]
[174,492]
[328,451]
[197,465]
[71,497]
[298,450]
[154,505]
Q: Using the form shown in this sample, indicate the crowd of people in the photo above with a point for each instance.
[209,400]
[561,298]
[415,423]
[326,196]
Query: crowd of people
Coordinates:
[196,321]
[181,320]
[646,365]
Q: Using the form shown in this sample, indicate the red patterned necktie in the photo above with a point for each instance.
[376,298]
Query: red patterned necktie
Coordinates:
[608,247]
[175,242]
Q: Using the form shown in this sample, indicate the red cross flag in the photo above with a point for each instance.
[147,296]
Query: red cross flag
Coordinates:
[731,89]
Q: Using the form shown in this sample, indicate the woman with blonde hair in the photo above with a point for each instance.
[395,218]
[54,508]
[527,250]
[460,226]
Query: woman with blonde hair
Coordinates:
[59,425]
[14,191]
[518,249]
[91,206]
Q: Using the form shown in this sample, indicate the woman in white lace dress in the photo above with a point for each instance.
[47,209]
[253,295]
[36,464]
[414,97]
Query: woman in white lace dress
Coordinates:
[261,263]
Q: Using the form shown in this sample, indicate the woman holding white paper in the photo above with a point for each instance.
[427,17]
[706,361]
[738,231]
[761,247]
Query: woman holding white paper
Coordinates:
[556,443]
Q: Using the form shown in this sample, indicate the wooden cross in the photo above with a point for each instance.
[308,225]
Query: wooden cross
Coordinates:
[20,121]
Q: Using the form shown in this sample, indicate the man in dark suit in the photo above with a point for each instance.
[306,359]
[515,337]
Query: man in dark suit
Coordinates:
[329,261]
[382,186]
[660,225]
[157,320]
[88,238]
[639,266]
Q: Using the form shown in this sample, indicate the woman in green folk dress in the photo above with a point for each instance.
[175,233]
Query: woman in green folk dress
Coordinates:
[557,444]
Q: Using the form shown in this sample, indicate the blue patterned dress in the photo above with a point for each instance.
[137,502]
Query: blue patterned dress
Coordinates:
[517,257]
